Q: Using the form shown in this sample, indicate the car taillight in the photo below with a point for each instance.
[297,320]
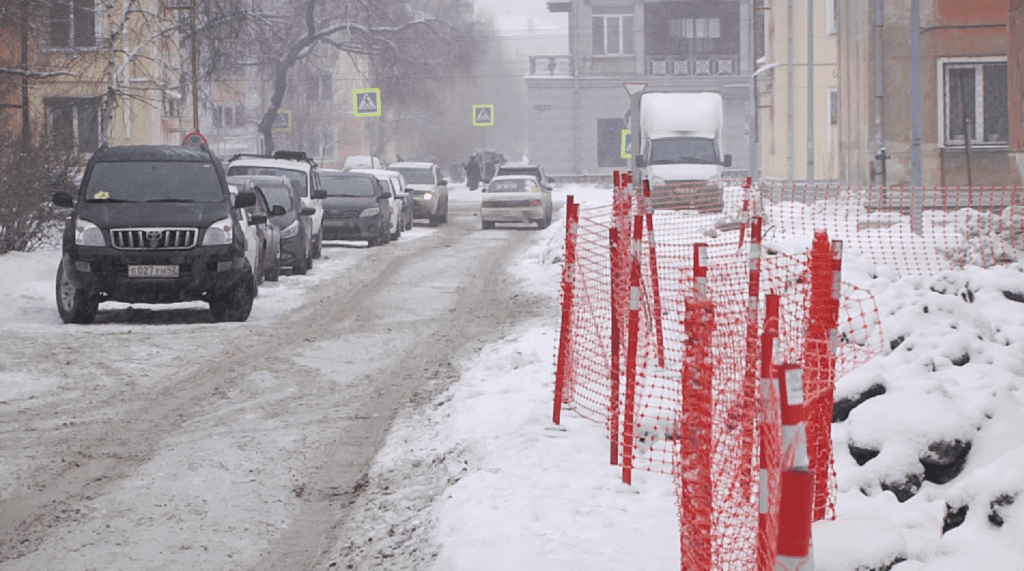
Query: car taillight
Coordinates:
[534,203]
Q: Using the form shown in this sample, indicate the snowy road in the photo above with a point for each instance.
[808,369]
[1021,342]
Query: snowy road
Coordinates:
[167,441]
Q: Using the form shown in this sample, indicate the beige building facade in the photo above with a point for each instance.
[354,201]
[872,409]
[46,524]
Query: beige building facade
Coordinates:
[799,53]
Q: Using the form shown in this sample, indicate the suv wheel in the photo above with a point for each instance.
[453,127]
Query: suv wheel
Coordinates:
[235,305]
[435,218]
[73,304]
[300,266]
[444,216]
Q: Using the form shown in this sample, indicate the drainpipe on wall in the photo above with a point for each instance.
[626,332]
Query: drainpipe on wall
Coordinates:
[879,84]
[789,86]
[810,91]
[917,199]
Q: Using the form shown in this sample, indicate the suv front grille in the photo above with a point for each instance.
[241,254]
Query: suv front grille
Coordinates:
[154,238]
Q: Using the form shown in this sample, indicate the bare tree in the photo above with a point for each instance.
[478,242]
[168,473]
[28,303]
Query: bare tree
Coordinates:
[395,38]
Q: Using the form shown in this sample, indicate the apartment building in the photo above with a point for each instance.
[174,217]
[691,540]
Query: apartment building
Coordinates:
[578,103]
[964,111]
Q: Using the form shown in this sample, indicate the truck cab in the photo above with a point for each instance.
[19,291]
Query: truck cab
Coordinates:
[681,150]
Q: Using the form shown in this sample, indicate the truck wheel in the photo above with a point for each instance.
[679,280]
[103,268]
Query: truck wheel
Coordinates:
[73,304]
[235,305]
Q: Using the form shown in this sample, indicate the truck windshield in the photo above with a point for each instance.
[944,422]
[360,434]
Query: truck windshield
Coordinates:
[683,150]
[154,181]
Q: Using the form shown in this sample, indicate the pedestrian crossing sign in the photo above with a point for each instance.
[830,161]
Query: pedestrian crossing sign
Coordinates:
[483,115]
[366,102]
[626,144]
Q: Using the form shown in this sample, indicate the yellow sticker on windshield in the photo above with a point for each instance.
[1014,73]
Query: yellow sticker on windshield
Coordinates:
[101,195]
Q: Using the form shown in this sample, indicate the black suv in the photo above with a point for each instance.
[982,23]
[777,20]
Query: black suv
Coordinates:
[154,224]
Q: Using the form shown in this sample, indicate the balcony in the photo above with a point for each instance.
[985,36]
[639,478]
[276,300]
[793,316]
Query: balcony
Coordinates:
[551,65]
[703,65]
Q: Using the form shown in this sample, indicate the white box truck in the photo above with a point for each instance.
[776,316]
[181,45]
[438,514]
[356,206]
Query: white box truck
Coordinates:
[681,155]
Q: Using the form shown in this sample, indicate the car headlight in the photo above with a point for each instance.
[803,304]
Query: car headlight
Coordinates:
[88,234]
[428,196]
[373,211]
[290,230]
[656,181]
[219,233]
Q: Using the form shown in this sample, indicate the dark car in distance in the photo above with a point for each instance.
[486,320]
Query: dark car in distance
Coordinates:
[294,220]
[154,224]
[357,207]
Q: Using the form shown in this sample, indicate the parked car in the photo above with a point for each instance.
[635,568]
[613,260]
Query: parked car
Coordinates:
[254,242]
[297,167]
[515,199]
[429,190]
[293,220]
[268,234]
[401,212]
[536,171]
[356,208]
[154,224]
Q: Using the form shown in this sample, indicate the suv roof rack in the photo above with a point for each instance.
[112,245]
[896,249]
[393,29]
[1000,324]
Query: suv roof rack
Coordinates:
[280,155]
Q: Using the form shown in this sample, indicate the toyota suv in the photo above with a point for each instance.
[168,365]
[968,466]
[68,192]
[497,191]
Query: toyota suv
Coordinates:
[154,224]
[297,167]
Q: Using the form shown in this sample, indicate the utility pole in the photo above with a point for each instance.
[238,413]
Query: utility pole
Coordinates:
[26,126]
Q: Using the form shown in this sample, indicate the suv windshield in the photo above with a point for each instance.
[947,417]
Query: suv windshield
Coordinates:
[683,150]
[277,195]
[346,186]
[154,181]
[299,177]
[415,175]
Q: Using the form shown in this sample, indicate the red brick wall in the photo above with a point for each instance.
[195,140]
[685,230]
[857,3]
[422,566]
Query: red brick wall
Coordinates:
[960,12]
[1015,75]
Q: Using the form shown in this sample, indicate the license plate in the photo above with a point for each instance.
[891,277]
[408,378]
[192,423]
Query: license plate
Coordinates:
[152,271]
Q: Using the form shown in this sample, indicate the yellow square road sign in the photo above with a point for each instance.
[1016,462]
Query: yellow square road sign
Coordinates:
[483,115]
[366,102]
[626,144]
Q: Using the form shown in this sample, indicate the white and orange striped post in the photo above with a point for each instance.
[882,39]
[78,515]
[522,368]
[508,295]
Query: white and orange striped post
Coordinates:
[796,507]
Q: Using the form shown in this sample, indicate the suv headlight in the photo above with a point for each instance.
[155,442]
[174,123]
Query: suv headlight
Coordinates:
[373,211]
[219,233]
[290,230]
[428,196]
[88,234]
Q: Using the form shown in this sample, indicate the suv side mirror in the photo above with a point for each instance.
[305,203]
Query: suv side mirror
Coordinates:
[63,199]
[278,210]
[727,161]
[385,194]
[318,194]
[307,211]
[641,162]
[442,182]
[245,200]
[257,219]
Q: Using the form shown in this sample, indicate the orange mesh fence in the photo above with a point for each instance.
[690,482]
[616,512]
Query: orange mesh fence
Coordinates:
[665,329]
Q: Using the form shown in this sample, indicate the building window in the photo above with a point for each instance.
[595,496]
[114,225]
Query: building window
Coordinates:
[831,19]
[609,143]
[228,116]
[975,103]
[320,88]
[72,24]
[613,34]
[73,124]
